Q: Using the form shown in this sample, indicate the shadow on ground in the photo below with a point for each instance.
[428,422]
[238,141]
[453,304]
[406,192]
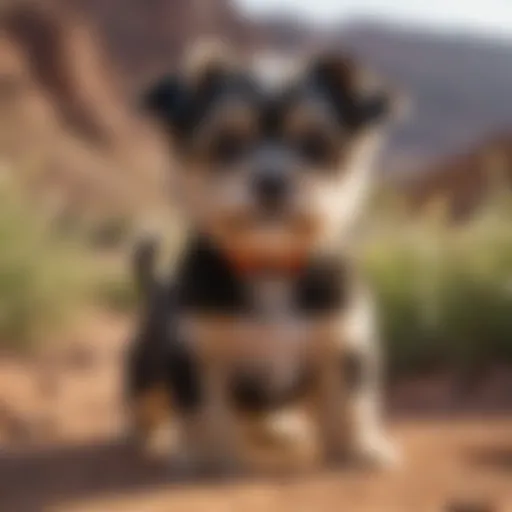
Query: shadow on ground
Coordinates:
[31,480]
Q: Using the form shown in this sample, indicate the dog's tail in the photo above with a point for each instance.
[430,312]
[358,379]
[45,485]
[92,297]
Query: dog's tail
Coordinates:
[144,266]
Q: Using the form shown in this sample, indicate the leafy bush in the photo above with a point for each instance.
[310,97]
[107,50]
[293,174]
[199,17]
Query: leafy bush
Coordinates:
[45,277]
[445,292]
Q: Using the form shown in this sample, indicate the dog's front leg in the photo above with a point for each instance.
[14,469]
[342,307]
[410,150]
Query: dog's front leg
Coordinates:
[220,444]
[349,385]
[214,429]
[363,438]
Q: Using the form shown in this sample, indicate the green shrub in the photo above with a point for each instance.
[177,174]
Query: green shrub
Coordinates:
[445,292]
[35,278]
[46,277]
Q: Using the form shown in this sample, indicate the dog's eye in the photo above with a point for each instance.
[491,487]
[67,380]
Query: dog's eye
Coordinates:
[316,147]
[228,147]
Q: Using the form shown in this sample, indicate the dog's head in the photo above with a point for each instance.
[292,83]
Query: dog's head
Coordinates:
[272,163]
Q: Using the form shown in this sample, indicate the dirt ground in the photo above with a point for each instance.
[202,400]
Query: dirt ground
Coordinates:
[60,448]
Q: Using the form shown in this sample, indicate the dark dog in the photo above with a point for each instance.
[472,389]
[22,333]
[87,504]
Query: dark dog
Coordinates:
[266,318]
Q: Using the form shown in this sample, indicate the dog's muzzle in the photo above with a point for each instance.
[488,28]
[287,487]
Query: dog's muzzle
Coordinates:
[271,189]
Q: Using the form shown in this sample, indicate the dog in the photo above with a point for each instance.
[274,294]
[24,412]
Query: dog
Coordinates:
[266,318]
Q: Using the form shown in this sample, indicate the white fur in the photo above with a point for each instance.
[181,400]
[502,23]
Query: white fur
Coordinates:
[358,326]
[283,335]
[344,201]
[274,71]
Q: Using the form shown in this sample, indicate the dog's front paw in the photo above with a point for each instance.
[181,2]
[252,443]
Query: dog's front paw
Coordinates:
[207,461]
[376,453]
[206,466]
[373,453]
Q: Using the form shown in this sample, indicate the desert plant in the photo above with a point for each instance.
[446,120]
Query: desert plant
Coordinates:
[445,292]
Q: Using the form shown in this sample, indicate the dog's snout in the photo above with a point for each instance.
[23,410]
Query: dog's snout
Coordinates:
[271,188]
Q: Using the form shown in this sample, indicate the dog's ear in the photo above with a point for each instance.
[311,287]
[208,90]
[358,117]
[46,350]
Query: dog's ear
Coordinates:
[359,100]
[165,100]
[177,99]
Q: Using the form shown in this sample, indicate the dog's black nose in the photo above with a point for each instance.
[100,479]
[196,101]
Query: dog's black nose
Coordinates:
[271,189]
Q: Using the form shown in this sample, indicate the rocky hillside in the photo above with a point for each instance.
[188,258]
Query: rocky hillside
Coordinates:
[145,37]
[66,127]
[460,86]
[464,181]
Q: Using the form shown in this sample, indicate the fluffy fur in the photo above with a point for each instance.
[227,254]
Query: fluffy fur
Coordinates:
[266,317]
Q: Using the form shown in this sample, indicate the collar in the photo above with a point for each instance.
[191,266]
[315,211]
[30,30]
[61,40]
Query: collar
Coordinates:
[248,264]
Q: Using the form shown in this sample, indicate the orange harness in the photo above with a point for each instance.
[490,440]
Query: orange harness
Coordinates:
[250,263]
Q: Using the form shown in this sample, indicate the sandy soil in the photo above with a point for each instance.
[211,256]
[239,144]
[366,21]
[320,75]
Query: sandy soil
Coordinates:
[60,449]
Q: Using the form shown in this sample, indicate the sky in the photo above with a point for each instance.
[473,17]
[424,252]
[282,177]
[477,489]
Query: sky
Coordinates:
[489,17]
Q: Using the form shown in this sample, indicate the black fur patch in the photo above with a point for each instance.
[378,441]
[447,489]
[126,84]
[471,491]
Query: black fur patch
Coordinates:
[208,284]
[336,78]
[324,287]
[183,377]
[146,359]
[181,108]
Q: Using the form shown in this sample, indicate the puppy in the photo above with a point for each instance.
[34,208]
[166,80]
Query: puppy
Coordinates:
[267,315]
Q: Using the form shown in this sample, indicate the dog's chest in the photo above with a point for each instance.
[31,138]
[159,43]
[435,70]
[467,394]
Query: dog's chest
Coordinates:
[269,350]
[263,326]
[274,333]
[271,298]
[265,318]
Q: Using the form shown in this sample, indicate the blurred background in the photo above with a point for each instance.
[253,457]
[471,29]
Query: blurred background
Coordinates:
[81,172]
